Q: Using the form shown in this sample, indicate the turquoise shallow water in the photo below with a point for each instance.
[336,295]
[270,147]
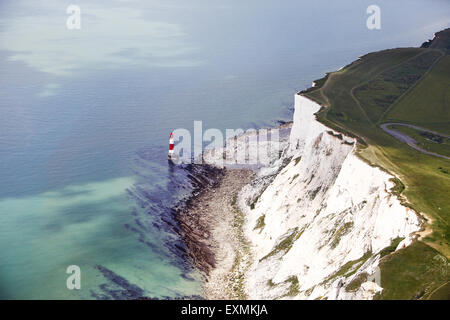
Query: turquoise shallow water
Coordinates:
[85,117]
[108,228]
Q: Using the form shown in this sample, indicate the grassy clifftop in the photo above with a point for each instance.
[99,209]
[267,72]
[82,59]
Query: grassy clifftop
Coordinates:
[410,86]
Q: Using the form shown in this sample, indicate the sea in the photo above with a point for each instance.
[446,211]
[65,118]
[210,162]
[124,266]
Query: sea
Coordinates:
[90,91]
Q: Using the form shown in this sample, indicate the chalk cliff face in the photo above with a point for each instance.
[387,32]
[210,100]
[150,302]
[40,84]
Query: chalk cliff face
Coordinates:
[318,218]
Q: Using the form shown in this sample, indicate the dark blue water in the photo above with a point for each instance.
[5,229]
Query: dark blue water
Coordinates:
[85,117]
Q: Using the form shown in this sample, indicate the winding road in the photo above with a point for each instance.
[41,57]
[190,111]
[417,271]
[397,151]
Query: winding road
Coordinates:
[408,140]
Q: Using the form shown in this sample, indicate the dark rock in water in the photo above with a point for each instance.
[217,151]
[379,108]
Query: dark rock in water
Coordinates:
[193,230]
[123,290]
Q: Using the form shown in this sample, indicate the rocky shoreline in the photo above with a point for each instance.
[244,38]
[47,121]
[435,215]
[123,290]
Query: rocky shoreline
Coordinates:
[191,227]
[207,223]
[310,226]
[211,223]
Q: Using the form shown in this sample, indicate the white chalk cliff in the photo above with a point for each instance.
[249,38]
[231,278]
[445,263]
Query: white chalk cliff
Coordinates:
[317,219]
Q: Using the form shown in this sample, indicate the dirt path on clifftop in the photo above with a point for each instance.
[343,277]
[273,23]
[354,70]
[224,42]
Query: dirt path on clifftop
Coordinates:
[402,137]
[217,220]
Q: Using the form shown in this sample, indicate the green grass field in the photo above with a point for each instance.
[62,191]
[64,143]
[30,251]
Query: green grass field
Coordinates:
[429,104]
[416,272]
[407,85]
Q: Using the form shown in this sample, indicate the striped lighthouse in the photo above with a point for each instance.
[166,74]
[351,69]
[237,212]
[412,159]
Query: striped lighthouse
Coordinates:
[171,145]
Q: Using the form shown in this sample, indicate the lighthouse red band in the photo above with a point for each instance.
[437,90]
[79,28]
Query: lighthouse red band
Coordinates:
[171,145]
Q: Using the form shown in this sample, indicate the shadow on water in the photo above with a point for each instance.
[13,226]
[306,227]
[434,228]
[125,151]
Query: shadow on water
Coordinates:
[161,192]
